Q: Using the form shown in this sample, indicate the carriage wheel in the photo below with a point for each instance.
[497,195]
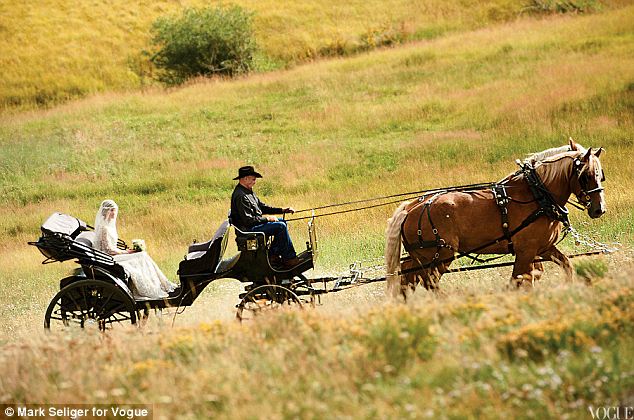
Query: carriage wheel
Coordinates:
[90,304]
[304,290]
[266,298]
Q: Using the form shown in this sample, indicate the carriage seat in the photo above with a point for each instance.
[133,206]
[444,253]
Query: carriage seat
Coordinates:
[204,257]
[87,238]
[250,241]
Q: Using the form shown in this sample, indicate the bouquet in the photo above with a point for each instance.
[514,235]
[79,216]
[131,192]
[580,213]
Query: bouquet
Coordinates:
[138,245]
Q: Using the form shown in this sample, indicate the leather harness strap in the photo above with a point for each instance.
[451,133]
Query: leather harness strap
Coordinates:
[543,196]
[438,242]
[502,199]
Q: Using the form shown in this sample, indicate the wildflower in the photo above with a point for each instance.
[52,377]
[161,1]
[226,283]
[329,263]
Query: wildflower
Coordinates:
[211,398]
[563,354]
[555,381]
[65,385]
[100,394]
[522,353]
[165,399]
[117,392]
[367,387]
[484,386]
[543,371]
[454,393]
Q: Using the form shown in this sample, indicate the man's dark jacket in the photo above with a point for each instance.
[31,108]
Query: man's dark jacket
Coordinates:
[247,209]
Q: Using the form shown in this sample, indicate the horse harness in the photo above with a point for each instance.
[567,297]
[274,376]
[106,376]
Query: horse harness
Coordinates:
[439,243]
[547,207]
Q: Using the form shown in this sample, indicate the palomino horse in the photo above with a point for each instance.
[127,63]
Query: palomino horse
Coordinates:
[523,215]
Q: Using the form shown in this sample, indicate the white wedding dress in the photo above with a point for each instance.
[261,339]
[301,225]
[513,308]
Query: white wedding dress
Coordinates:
[148,282]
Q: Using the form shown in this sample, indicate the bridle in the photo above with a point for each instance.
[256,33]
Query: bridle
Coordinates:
[580,172]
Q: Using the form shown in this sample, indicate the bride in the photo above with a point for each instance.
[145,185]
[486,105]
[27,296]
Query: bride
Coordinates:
[148,282]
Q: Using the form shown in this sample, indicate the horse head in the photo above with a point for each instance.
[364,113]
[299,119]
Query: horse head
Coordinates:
[587,179]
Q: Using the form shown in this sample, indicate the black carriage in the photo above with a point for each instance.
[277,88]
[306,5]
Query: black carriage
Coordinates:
[99,294]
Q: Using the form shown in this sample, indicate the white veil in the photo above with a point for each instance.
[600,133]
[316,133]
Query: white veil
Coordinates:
[147,279]
[106,229]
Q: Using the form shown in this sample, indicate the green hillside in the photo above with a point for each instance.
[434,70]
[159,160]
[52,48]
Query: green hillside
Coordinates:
[53,50]
[462,108]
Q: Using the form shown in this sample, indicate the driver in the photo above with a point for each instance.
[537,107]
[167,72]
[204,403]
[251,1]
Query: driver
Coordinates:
[250,214]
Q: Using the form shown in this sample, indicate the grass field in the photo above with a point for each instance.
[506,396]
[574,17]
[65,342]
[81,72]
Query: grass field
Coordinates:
[455,109]
[475,350]
[61,50]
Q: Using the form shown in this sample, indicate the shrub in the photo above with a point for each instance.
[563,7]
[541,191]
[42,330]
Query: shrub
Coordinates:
[203,42]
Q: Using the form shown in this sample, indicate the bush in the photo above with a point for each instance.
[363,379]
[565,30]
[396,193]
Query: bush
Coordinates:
[203,42]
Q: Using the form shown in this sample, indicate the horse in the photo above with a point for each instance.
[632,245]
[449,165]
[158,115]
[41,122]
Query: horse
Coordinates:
[523,214]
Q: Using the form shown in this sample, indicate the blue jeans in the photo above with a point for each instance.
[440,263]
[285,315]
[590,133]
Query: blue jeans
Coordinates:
[282,244]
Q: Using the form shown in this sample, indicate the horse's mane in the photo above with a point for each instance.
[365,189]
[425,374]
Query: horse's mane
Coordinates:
[550,168]
[549,155]
[554,151]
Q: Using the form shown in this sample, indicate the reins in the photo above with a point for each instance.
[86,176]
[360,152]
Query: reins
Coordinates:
[417,194]
[403,196]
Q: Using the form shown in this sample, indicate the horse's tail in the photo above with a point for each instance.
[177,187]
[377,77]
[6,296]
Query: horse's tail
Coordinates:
[393,250]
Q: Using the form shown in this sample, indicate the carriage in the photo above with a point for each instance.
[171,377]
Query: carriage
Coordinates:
[524,222]
[98,293]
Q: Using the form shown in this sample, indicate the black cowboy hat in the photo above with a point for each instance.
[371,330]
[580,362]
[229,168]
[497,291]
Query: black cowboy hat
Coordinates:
[246,171]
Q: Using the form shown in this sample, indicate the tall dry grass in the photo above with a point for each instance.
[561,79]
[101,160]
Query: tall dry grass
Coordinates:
[53,51]
[473,350]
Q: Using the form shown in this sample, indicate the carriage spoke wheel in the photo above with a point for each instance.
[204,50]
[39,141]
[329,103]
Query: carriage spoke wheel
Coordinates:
[90,304]
[303,288]
[264,299]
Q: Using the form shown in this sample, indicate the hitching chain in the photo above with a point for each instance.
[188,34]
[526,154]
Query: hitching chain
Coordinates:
[589,242]
[358,268]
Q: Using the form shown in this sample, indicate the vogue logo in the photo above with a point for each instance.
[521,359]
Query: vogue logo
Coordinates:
[612,413]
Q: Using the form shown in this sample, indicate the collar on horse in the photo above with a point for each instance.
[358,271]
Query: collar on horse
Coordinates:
[547,204]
